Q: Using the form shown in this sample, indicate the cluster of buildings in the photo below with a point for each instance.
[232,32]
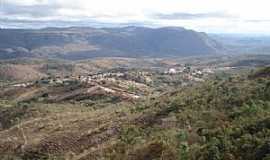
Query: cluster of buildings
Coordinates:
[124,78]
[189,73]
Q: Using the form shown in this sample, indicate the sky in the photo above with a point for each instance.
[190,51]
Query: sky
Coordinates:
[211,16]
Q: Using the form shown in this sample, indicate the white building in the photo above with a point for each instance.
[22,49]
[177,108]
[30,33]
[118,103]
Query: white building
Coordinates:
[172,71]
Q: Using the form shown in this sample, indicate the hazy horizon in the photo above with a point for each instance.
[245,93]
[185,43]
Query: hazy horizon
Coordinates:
[232,17]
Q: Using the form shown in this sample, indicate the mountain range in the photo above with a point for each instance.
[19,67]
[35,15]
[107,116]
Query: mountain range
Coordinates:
[76,43]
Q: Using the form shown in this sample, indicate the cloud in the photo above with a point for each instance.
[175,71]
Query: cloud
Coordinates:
[190,16]
[18,23]
[37,24]
[206,15]
[34,11]
[56,9]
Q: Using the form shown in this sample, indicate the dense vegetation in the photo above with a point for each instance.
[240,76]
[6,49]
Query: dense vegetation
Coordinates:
[221,119]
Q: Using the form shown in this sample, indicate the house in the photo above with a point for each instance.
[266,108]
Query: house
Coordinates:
[172,71]
[208,70]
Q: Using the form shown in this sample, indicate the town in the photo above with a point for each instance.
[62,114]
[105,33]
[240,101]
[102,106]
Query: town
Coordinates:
[119,83]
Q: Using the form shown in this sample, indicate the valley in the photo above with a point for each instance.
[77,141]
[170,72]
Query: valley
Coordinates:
[134,80]
[111,79]
[132,108]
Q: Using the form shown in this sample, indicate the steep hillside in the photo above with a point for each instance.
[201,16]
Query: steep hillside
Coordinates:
[81,43]
[221,119]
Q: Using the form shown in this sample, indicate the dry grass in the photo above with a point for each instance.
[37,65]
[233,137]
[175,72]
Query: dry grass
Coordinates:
[65,129]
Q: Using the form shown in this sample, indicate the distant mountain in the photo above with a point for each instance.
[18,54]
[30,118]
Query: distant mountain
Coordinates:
[81,42]
[244,43]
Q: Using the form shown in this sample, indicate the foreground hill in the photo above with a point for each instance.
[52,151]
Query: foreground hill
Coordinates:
[81,43]
[221,119]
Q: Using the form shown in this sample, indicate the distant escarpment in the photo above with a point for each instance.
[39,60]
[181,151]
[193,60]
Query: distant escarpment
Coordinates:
[79,43]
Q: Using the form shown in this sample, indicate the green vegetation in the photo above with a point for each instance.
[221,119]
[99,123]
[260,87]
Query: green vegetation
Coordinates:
[220,119]
[131,88]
